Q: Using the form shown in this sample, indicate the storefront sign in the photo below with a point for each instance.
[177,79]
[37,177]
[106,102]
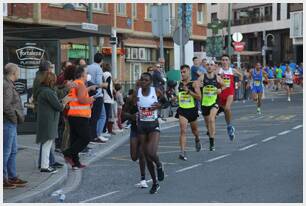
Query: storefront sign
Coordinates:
[29,56]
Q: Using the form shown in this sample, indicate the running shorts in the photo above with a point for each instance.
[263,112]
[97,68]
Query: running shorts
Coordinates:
[257,89]
[190,114]
[206,110]
[133,132]
[289,85]
[147,127]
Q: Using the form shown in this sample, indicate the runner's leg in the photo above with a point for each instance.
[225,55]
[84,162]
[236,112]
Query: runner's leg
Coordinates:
[212,127]
[183,130]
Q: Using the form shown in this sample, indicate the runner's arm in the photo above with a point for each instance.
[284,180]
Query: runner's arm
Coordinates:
[197,92]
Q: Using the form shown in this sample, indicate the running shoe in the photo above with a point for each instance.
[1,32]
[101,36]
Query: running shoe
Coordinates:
[212,148]
[258,110]
[143,184]
[160,173]
[231,132]
[183,157]
[198,145]
[289,99]
[155,188]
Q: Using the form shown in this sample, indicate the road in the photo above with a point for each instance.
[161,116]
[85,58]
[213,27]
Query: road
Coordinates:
[263,164]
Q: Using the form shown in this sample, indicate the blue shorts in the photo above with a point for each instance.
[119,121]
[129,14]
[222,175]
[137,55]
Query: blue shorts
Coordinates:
[257,89]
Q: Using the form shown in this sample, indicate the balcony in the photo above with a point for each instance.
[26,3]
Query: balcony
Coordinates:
[251,20]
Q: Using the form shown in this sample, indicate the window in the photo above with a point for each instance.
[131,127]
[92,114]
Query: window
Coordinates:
[100,7]
[200,14]
[128,53]
[134,53]
[288,11]
[268,10]
[213,3]
[121,9]
[142,54]
[134,10]
[148,11]
[5,9]
[78,5]
[278,11]
[214,16]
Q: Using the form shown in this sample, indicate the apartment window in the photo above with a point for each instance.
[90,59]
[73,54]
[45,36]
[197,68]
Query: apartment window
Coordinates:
[278,11]
[134,10]
[148,11]
[78,5]
[100,7]
[213,3]
[121,9]
[288,11]
[268,11]
[200,14]
[214,16]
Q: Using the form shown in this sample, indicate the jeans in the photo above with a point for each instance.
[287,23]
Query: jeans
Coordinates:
[51,157]
[101,121]
[9,149]
[108,114]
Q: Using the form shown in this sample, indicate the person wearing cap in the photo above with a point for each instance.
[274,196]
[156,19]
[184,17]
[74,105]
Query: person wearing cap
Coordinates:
[210,88]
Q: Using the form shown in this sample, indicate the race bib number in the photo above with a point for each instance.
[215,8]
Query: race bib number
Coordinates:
[227,82]
[185,98]
[209,91]
[146,114]
[257,83]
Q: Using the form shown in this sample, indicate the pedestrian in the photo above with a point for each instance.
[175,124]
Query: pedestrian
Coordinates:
[82,62]
[12,116]
[257,75]
[289,81]
[279,76]
[119,100]
[48,109]
[211,86]
[149,99]
[98,117]
[60,78]
[108,99]
[227,94]
[188,92]
[79,114]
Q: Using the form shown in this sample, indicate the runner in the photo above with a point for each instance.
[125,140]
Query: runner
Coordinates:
[257,87]
[279,76]
[211,86]
[227,94]
[289,82]
[189,92]
[129,113]
[148,126]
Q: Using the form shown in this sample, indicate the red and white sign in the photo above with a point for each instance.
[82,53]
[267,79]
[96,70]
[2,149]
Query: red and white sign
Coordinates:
[238,46]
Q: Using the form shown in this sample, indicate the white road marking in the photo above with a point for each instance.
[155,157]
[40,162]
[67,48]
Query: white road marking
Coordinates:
[259,118]
[94,198]
[297,127]
[247,147]
[284,132]
[188,168]
[268,139]
[217,158]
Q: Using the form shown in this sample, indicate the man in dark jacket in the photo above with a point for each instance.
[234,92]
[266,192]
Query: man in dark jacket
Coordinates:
[12,115]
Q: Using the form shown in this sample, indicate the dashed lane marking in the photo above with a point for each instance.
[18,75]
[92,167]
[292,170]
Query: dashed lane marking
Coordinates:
[98,197]
[188,168]
[284,132]
[247,147]
[217,158]
[268,139]
[297,127]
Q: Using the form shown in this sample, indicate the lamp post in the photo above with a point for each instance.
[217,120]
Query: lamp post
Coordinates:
[229,29]
[265,37]
[88,7]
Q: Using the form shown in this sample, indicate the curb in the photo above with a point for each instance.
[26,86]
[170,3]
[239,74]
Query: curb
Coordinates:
[73,179]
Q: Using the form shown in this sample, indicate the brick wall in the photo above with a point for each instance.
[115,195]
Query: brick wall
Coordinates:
[20,9]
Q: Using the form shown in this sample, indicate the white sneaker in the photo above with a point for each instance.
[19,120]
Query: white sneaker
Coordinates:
[103,138]
[142,184]
[289,99]
[128,126]
[106,134]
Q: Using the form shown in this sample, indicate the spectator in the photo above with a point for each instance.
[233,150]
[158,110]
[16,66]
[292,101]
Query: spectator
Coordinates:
[108,99]
[82,62]
[98,118]
[119,100]
[60,77]
[158,80]
[150,69]
[12,115]
[79,114]
[203,68]
[195,69]
[48,108]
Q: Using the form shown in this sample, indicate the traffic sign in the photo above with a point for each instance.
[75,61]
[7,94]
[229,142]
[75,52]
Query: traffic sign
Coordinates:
[238,46]
[176,36]
[237,37]
[89,26]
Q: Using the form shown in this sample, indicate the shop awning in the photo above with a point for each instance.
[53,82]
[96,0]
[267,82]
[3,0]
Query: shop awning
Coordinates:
[56,32]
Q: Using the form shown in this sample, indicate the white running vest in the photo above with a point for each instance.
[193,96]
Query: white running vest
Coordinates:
[144,105]
[289,77]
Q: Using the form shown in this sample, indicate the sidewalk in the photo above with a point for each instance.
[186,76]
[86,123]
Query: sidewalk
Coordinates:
[39,183]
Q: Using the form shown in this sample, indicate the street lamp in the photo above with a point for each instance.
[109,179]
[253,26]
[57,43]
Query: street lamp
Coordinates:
[88,7]
[265,47]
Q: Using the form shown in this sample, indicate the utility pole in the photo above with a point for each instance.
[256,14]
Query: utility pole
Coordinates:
[264,48]
[161,38]
[90,39]
[114,55]
[229,39]
[183,21]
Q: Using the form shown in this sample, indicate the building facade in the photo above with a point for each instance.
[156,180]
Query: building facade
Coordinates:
[137,47]
[266,30]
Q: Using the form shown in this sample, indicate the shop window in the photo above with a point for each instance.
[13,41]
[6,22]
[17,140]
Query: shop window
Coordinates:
[121,9]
